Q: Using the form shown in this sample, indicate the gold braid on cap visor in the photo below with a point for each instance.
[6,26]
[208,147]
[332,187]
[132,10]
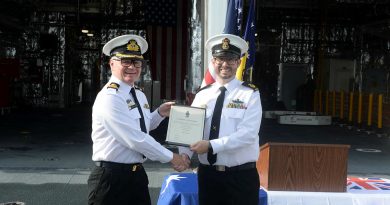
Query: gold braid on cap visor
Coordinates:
[121,55]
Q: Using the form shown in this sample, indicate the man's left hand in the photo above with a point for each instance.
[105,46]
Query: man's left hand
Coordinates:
[200,147]
[165,109]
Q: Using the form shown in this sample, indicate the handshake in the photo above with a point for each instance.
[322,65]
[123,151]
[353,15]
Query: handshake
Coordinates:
[180,162]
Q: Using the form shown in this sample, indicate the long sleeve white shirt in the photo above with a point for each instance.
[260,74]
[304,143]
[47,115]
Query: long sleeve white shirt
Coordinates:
[238,140]
[116,132]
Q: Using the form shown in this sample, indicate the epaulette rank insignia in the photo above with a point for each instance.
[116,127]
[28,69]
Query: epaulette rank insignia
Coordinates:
[113,86]
[202,88]
[138,88]
[250,85]
[146,106]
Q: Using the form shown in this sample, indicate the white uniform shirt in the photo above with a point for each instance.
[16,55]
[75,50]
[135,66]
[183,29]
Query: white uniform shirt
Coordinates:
[238,141]
[116,132]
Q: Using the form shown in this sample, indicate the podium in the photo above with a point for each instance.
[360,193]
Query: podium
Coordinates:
[303,167]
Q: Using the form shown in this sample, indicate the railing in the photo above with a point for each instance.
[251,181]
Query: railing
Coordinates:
[364,110]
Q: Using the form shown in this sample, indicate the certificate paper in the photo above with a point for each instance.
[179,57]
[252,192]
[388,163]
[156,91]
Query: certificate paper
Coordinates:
[186,125]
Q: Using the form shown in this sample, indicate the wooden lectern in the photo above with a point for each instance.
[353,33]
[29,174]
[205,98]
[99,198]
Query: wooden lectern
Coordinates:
[303,167]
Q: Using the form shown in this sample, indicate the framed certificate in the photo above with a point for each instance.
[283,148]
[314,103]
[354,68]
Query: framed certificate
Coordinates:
[186,125]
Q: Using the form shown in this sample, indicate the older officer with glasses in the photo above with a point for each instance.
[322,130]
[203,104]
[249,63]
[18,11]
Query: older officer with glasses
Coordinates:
[227,171]
[121,120]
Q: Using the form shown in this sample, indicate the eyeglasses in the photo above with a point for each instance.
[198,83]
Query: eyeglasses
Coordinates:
[129,62]
[229,61]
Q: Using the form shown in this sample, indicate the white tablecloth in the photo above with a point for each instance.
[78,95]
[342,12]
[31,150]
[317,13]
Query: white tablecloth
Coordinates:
[328,198]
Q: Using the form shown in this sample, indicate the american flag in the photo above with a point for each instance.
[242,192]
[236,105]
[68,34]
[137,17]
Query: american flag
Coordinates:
[167,35]
[357,183]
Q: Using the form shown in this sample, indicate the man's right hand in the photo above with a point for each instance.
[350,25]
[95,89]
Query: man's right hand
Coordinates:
[179,163]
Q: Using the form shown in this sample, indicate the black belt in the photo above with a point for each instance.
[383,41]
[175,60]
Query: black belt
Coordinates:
[221,168]
[115,165]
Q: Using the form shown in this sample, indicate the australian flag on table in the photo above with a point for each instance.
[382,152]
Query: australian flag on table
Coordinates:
[367,184]
[182,189]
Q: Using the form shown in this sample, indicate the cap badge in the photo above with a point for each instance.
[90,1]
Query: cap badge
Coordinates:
[132,45]
[225,43]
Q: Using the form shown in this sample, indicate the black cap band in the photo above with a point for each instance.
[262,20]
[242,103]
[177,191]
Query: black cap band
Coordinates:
[232,50]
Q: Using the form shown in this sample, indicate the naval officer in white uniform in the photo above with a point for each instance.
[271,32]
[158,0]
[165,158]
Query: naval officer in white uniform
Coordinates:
[227,172]
[121,121]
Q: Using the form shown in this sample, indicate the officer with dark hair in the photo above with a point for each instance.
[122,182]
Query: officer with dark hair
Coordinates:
[227,171]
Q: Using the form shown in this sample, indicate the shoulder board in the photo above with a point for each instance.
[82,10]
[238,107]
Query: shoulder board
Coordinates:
[138,88]
[114,86]
[250,85]
[202,88]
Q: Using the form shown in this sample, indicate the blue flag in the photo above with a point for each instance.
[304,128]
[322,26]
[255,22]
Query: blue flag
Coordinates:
[249,37]
[233,22]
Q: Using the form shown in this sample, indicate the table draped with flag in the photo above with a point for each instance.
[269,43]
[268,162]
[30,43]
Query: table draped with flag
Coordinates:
[182,189]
